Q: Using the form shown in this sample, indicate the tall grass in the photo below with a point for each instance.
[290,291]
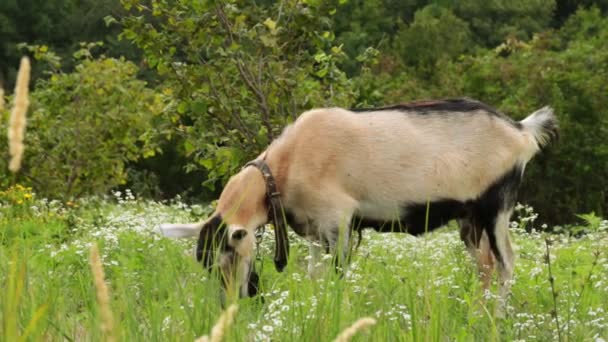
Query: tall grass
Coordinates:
[416,289]
[103,295]
[16,128]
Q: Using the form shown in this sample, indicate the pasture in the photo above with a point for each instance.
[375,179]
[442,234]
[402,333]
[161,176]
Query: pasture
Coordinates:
[417,288]
[171,98]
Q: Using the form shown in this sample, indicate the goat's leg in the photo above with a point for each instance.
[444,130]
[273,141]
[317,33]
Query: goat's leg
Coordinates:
[478,245]
[505,257]
[497,229]
[334,227]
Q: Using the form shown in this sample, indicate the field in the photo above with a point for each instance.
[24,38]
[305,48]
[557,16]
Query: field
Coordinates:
[418,289]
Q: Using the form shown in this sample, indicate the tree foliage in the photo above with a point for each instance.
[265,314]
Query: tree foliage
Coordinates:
[85,126]
[224,78]
[58,24]
[235,74]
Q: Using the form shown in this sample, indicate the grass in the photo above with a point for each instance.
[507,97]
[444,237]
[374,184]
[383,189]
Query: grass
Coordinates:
[417,289]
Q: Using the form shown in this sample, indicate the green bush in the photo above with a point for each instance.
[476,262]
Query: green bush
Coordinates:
[84,126]
[435,34]
[570,75]
[566,69]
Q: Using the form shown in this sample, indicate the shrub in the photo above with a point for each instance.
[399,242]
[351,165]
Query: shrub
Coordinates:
[569,75]
[84,126]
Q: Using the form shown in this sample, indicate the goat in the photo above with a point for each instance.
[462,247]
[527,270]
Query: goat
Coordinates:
[405,168]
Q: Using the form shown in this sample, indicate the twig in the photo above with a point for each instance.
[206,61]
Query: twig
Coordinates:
[247,75]
[553,292]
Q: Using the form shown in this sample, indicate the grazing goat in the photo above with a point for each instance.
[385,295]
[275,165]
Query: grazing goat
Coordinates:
[406,168]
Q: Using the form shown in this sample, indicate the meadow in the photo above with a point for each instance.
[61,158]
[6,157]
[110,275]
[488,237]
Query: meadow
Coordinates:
[416,288]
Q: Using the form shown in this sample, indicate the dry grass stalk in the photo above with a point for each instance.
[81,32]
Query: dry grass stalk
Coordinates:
[348,333]
[16,129]
[223,324]
[103,295]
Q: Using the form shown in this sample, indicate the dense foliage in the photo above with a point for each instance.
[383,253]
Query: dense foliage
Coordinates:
[85,126]
[223,78]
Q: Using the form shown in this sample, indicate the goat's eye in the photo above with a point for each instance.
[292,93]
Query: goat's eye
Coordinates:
[239,235]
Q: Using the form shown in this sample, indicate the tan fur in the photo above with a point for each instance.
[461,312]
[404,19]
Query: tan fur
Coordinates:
[369,162]
[332,164]
[485,261]
[341,163]
[242,200]
[242,206]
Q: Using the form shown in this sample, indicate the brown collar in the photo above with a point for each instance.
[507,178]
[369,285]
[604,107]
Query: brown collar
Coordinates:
[277,214]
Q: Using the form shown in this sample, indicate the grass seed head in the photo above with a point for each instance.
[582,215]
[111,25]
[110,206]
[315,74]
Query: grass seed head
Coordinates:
[16,130]
[103,295]
[361,324]
[221,326]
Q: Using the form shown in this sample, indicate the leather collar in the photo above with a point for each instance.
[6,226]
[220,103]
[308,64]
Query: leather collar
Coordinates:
[276,214]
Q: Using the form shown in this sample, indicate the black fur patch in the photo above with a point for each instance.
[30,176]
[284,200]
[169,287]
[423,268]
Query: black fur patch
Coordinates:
[479,214]
[443,106]
[439,214]
[415,219]
[212,236]
[500,196]
[253,284]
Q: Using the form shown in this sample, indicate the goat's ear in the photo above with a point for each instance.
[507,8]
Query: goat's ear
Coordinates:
[238,235]
[176,231]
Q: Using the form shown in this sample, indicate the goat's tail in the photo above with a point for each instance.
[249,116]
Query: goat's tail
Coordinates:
[543,125]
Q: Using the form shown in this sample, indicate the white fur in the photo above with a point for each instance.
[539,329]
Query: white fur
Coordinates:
[535,124]
[180,230]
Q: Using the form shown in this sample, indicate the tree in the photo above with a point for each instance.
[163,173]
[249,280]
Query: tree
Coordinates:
[58,24]
[234,74]
[84,127]
[435,34]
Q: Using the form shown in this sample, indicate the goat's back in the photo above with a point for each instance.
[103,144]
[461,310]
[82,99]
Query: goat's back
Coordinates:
[395,155]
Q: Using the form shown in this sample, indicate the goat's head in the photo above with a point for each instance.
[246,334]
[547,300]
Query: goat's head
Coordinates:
[226,240]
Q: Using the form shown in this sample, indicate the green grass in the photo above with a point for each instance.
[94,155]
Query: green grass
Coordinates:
[418,289]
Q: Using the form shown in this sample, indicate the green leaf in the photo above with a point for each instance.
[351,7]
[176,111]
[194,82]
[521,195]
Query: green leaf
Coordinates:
[198,107]
[188,147]
[182,107]
[270,24]
[109,20]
